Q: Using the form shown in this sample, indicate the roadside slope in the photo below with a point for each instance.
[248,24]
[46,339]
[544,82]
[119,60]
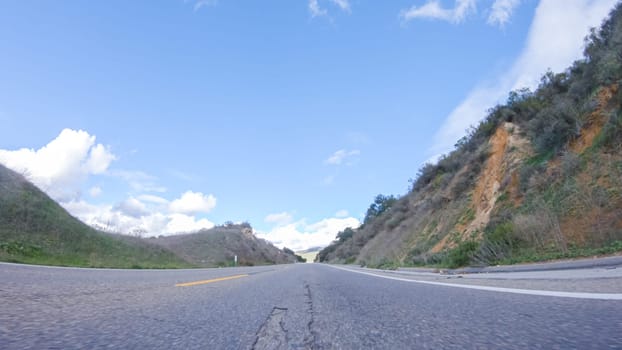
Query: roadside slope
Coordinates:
[539,178]
[35,229]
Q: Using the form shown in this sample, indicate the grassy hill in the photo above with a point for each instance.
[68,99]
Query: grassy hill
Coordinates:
[35,229]
[218,246]
[309,254]
[539,178]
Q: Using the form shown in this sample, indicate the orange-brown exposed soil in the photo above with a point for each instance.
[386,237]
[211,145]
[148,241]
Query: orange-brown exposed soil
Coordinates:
[507,149]
[487,188]
[595,121]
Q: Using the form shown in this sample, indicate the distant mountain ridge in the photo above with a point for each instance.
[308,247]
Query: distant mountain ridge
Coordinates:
[311,250]
[539,178]
[220,245]
[35,229]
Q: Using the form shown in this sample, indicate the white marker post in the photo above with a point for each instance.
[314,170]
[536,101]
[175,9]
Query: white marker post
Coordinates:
[235,260]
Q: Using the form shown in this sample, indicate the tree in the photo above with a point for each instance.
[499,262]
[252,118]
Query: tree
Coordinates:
[345,234]
[380,205]
[299,258]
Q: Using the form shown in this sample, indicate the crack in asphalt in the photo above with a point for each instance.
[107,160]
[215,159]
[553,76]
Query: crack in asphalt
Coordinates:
[310,340]
[272,335]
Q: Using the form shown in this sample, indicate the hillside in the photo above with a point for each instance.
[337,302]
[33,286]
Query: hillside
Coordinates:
[309,254]
[35,229]
[539,178]
[218,246]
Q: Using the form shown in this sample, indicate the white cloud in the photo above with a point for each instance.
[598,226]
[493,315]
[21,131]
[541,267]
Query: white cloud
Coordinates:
[342,213]
[434,10]
[62,166]
[556,37]
[104,217]
[95,191]
[186,223]
[343,4]
[99,159]
[132,216]
[193,203]
[554,42]
[468,112]
[279,218]
[340,156]
[299,235]
[501,11]
[317,11]
[202,3]
[131,207]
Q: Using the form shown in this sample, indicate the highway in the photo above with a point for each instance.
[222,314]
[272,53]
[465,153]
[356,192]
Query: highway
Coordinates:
[304,306]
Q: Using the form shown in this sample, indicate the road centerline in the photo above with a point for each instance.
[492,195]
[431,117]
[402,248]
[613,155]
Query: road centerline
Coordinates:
[196,283]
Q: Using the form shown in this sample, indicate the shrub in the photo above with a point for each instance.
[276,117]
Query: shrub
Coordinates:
[461,255]
[424,176]
[346,234]
[380,205]
[571,163]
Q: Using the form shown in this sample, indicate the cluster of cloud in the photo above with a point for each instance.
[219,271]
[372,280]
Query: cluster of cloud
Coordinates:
[301,235]
[316,10]
[342,156]
[337,159]
[434,10]
[62,167]
[499,12]
[192,203]
[203,3]
[147,214]
[554,42]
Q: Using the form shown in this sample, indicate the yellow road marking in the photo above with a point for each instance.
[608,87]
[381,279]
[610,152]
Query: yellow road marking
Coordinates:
[196,283]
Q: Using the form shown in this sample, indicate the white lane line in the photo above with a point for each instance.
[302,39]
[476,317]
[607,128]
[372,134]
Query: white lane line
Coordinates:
[577,295]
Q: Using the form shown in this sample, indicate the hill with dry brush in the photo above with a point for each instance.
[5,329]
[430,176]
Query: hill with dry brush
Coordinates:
[539,178]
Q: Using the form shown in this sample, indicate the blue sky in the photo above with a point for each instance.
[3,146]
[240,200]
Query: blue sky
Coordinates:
[172,115]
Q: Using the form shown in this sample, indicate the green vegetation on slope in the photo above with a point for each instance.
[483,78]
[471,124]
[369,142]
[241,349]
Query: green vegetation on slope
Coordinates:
[34,229]
[539,178]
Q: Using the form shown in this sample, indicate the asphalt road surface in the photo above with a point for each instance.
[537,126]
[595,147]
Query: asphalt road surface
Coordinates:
[302,306]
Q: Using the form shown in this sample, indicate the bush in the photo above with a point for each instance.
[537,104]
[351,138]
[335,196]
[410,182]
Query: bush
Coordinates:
[554,126]
[21,248]
[571,163]
[498,244]
[611,135]
[461,255]
[424,176]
